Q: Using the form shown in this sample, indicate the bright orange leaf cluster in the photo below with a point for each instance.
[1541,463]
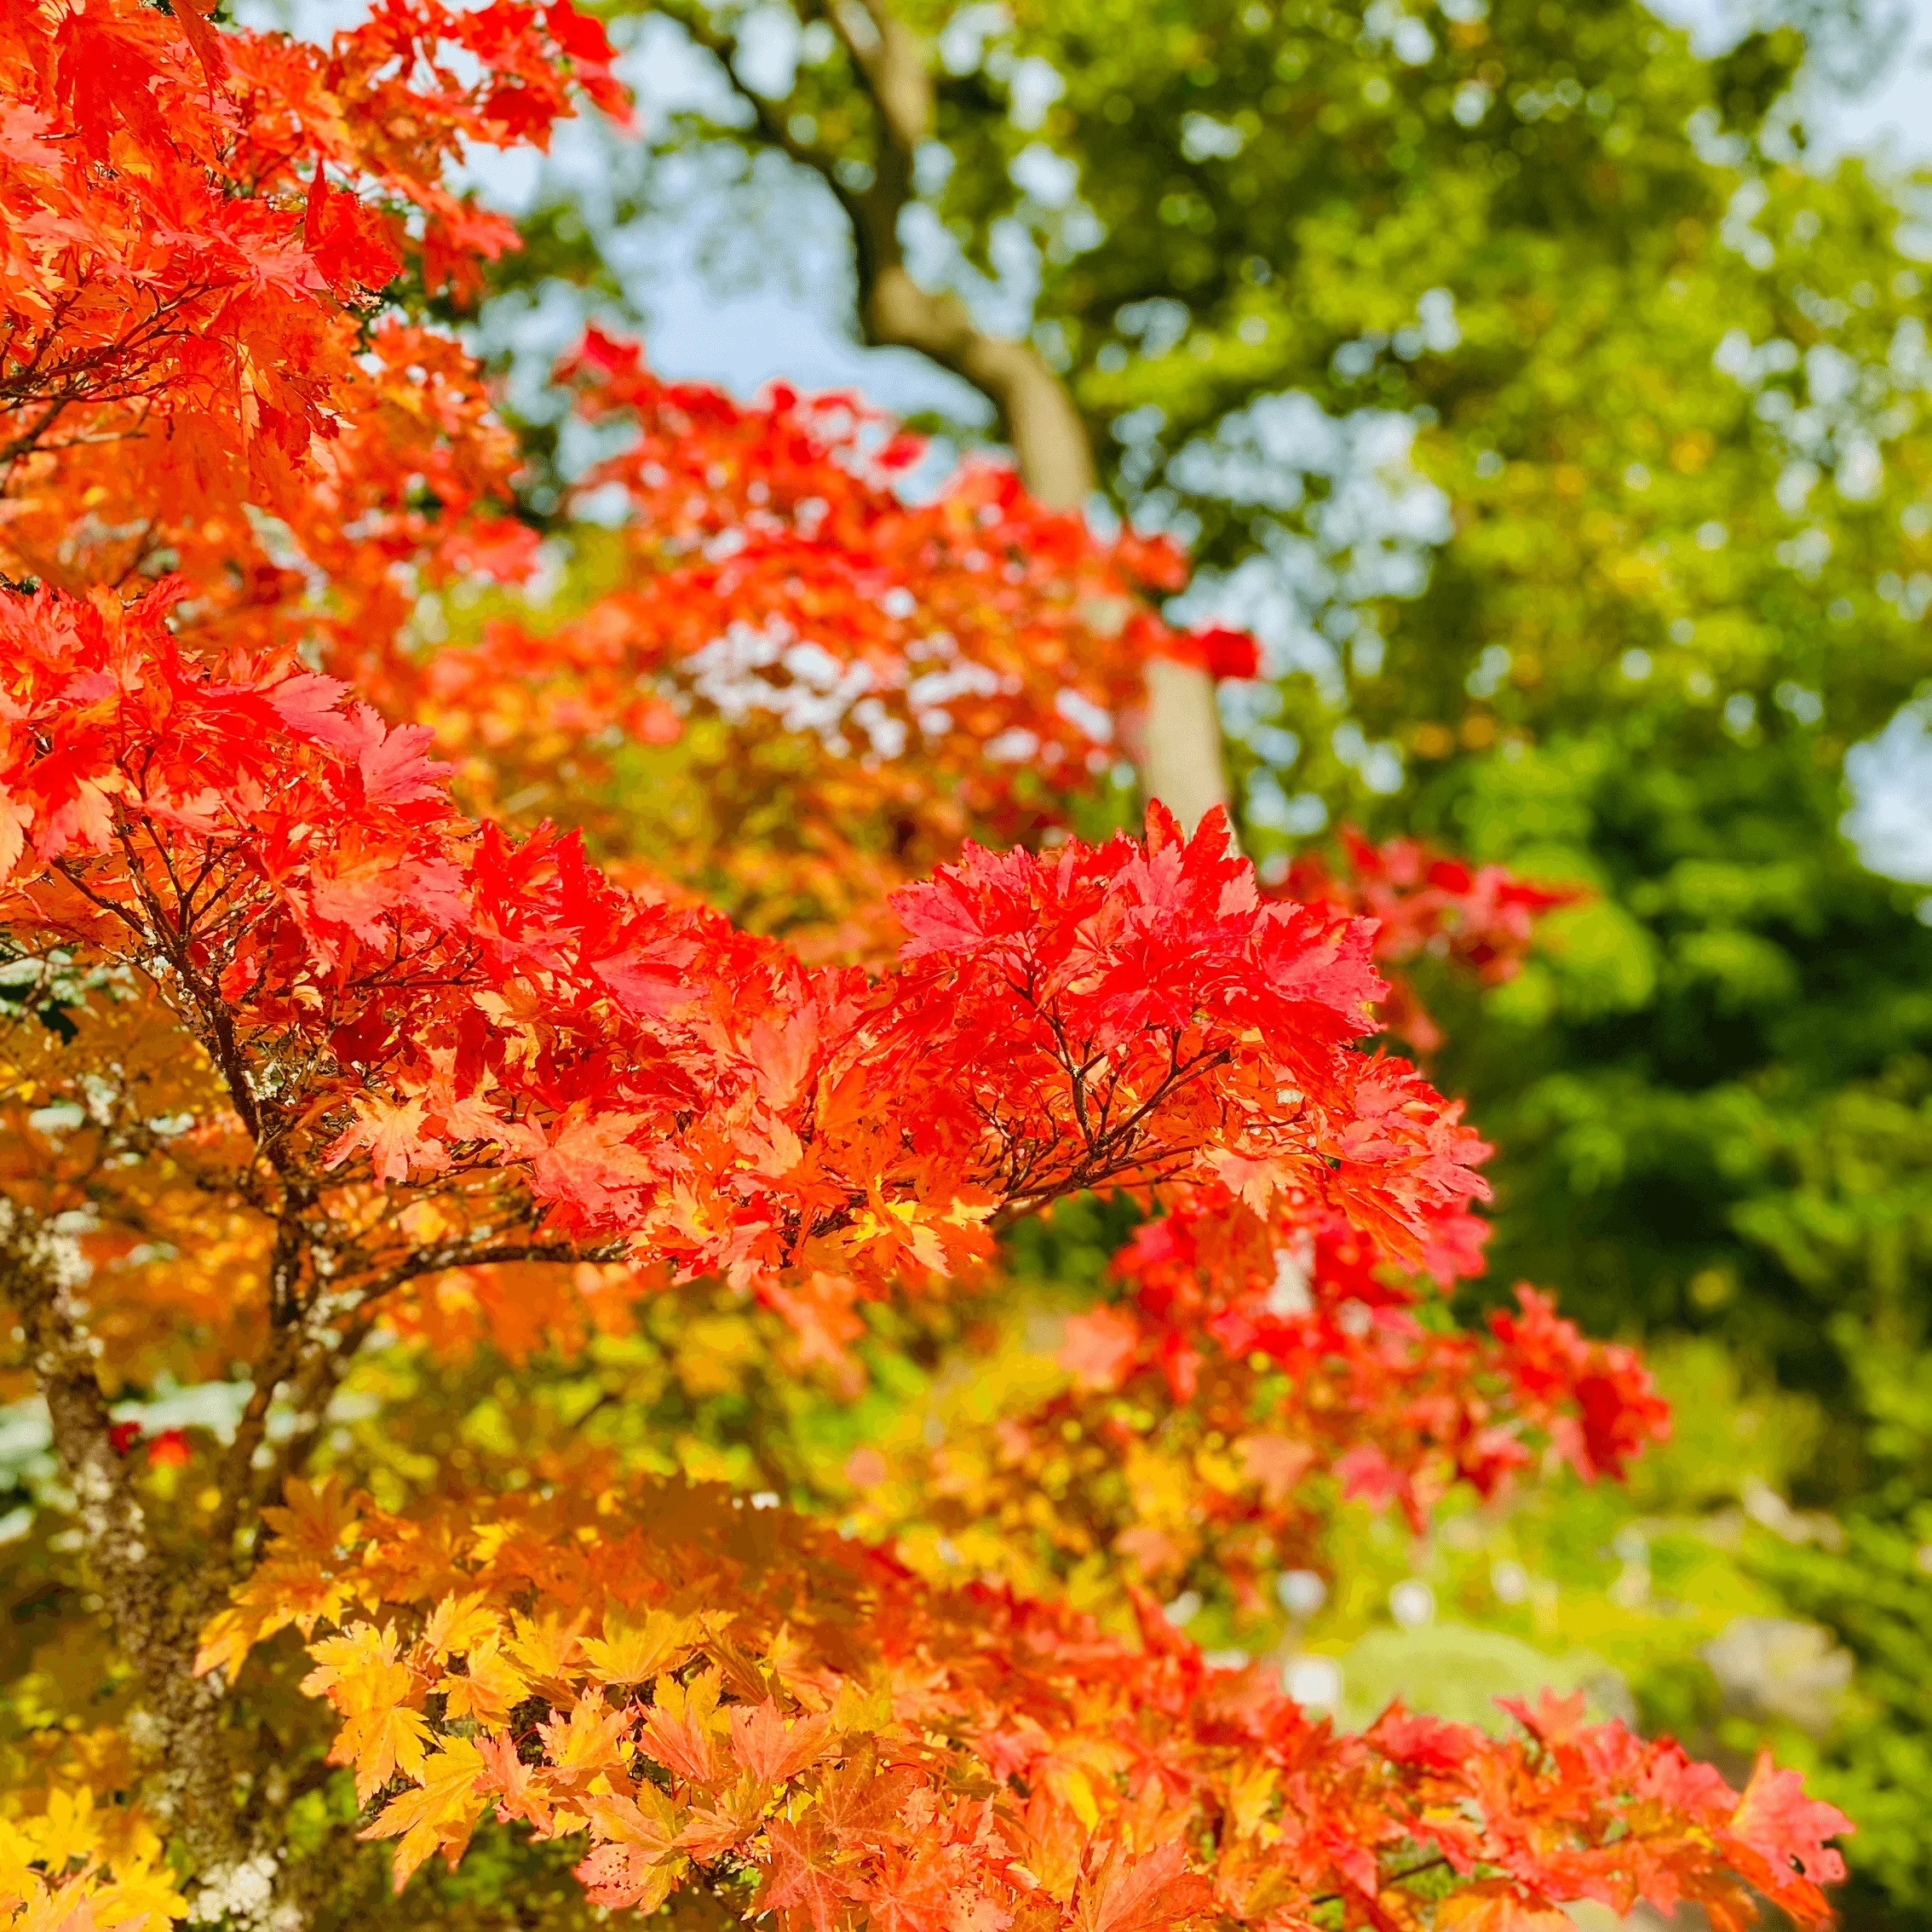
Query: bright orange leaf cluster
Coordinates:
[712,1693]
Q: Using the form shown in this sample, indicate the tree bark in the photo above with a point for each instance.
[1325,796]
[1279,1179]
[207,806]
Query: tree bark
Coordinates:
[1181,757]
[200,1784]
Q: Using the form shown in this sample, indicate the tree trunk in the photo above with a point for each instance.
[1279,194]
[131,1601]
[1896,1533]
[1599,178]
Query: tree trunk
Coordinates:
[194,1783]
[1180,759]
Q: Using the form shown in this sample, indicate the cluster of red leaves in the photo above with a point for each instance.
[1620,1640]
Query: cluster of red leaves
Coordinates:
[1256,1354]
[442,1007]
[1125,982]
[717,1694]
[1426,905]
[892,675]
[175,262]
[1308,1291]
[1290,1333]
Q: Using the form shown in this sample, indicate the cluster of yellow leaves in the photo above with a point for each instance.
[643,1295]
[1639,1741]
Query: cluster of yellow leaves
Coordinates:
[693,1686]
[308,1575]
[74,1868]
[1016,1470]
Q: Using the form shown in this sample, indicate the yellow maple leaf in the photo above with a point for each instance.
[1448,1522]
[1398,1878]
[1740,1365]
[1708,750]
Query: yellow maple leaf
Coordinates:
[132,1897]
[458,1624]
[360,1673]
[629,1653]
[587,1739]
[440,1816]
[491,1688]
[546,1647]
[1248,1798]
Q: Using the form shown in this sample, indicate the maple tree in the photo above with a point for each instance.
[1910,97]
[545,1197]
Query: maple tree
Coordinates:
[308,1038]
[1655,562]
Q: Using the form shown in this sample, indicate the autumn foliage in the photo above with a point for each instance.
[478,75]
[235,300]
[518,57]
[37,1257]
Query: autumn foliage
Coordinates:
[311,1037]
[859,681]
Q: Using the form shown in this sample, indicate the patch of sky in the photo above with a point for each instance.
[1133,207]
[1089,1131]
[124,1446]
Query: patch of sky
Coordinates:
[1890,778]
[1341,519]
